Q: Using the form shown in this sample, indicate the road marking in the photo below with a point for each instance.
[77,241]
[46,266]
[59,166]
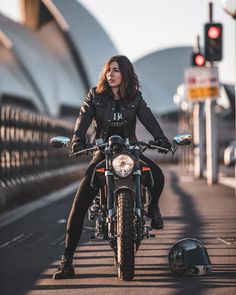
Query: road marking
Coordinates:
[223,241]
[12,241]
[23,210]
[61,221]
[58,240]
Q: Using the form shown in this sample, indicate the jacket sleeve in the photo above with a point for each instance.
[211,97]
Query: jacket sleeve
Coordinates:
[147,118]
[85,117]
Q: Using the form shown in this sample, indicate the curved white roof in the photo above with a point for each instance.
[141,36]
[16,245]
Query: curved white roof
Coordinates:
[54,72]
[160,73]
[66,83]
[44,59]
[34,60]
[91,41]
[13,81]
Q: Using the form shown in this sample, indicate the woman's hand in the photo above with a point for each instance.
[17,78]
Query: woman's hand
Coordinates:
[164,143]
[77,146]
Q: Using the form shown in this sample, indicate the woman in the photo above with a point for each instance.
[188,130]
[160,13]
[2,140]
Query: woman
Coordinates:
[112,106]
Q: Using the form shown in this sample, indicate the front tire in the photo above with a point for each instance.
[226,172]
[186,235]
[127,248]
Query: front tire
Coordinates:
[125,236]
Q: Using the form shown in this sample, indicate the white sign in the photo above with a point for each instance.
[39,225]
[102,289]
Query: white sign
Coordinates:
[201,83]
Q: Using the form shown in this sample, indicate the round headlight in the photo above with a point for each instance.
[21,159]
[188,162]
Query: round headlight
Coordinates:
[123,165]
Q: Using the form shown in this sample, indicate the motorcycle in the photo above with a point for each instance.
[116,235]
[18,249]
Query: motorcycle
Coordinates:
[123,180]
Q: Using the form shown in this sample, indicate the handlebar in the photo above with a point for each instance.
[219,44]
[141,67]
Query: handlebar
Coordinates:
[178,140]
[132,144]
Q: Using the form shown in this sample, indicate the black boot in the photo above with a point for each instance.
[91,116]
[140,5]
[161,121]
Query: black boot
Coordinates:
[155,214]
[66,269]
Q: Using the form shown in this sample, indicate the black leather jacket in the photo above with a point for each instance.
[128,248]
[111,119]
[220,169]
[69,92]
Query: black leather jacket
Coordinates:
[100,108]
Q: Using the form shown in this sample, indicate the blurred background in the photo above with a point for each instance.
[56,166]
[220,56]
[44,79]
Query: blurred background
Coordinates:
[51,53]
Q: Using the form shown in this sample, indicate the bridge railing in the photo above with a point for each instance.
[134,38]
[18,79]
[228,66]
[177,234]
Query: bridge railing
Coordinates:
[25,148]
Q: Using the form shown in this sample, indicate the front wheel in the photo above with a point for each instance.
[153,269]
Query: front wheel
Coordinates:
[125,235]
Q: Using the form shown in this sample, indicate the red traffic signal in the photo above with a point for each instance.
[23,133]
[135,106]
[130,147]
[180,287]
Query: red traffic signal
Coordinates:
[213,41]
[198,60]
[213,32]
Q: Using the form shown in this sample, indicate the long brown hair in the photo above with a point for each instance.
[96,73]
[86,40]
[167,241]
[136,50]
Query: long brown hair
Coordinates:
[129,84]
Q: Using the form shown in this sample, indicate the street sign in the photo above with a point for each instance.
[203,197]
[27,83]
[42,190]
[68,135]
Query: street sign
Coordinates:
[201,83]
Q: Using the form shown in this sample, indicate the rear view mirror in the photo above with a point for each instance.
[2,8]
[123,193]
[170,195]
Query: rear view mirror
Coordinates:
[60,141]
[183,139]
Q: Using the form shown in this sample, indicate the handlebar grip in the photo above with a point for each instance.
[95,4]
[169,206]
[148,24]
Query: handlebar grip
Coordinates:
[89,148]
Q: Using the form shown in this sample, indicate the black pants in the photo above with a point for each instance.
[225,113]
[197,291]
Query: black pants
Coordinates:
[85,195]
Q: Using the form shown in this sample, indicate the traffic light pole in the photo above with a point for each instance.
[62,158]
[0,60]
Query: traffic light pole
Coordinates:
[211,132]
[198,126]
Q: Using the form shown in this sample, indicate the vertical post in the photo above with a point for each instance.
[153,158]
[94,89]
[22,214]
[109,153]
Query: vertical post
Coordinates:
[198,130]
[199,139]
[211,131]
[210,12]
[197,49]
[211,142]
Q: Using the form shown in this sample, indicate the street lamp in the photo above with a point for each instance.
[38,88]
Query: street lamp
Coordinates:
[230,7]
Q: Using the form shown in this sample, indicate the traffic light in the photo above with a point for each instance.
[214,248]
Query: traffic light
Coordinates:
[213,41]
[198,59]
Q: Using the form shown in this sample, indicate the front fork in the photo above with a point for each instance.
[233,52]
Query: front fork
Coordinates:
[142,231]
[96,211]
[110,201]
[139,221]
[137,180]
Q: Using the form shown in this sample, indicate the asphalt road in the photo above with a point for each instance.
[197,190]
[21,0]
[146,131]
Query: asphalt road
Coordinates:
[31,246]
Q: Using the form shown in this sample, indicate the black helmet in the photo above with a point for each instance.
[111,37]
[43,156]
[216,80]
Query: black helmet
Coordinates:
[189,257]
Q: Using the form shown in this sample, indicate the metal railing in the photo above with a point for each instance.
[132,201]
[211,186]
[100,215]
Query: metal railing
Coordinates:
[25,149]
